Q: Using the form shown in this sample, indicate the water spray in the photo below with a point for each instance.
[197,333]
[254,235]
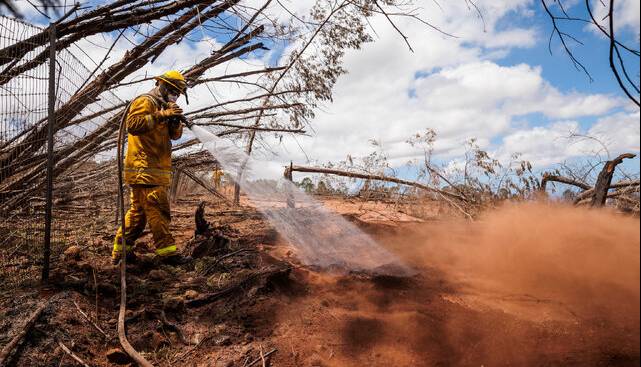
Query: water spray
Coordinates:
[320,237]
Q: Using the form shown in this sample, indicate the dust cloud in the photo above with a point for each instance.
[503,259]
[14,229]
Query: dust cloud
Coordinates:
[526,285]
[587,260]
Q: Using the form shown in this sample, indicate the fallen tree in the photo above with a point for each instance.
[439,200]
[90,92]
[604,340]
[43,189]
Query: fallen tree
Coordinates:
[294,87]
[329,171]
[568,181]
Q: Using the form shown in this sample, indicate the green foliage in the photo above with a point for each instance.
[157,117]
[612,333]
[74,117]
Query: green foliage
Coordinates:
[307,185]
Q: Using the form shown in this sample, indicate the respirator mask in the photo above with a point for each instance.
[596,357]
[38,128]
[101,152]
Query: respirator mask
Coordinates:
[171,97]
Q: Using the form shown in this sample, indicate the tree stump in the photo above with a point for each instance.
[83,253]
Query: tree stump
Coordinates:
[207,239]
[605,179]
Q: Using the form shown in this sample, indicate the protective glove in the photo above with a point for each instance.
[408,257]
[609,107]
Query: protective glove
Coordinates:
[171,111]
[174,123]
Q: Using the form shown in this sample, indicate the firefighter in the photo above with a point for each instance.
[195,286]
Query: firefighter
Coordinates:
[217,178]
[152,122]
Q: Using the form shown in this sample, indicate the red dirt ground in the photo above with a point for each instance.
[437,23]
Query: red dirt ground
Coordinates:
[526,285]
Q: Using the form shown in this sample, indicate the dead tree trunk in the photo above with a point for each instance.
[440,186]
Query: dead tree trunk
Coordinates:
[620,194]
[553,178]
[605,179]
[378,178]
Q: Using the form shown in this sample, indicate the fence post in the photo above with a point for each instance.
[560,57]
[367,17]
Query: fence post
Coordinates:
[50,128]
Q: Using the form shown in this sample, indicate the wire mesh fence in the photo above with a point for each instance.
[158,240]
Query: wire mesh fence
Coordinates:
[24,156]
[23,106]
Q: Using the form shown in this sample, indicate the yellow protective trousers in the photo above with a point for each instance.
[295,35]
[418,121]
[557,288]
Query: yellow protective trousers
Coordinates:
[149,204]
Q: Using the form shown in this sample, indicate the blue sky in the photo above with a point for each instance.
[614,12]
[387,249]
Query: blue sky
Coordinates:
[595,57]
[558,69]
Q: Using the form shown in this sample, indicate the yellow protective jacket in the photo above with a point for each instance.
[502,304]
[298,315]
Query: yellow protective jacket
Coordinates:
[148,158]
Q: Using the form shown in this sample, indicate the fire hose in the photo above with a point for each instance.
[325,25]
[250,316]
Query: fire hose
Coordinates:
[122,335]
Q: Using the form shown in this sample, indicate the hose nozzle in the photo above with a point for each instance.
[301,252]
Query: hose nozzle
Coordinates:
[186,121]
[175,120]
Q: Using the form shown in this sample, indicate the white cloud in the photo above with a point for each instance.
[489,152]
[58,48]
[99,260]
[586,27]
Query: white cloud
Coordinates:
[626,14]
[619,132]
[518,37]
[477,99]
[547,145]
[461,93]
[485,30]
[517,90]
[544,146]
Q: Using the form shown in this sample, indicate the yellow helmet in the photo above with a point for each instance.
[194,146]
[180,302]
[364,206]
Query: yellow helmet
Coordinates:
[175,79]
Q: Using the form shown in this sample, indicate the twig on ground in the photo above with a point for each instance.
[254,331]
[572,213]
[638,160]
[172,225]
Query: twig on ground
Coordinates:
[17,339]
[172,327]
[191,350]
[90,321]
[212,297]
[221,258]
[72,354]
[95,287]
[262,358]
